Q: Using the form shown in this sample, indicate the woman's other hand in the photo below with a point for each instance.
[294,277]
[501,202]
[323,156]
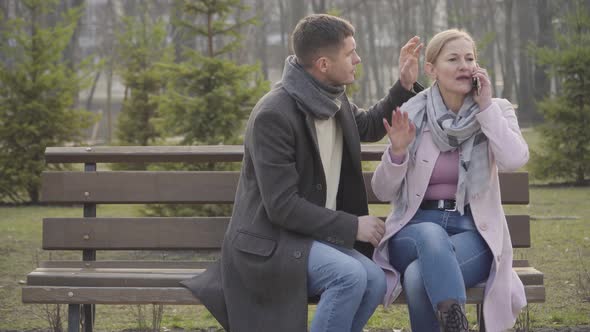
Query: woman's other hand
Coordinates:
[401,132]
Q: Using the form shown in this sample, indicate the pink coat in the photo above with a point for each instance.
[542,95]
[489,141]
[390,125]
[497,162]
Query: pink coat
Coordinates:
[504,292]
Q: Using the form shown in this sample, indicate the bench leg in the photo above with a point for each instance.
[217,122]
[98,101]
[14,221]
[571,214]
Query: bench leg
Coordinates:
[88,317]
[480,322]
[73,318]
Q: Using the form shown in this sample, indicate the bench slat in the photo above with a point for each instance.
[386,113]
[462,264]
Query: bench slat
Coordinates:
[125,264]
[170,264]
[156,233]
[139,187]
[160,277]
[160,233]
[145,154]
[108,295]
[191,187]
[178,295]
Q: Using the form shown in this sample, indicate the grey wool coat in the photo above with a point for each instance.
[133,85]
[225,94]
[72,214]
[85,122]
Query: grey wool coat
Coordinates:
[260,282]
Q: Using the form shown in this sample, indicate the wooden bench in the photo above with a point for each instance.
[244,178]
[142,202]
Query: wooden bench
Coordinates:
[83,284]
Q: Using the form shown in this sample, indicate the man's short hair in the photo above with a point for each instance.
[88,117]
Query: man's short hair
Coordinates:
[318,32]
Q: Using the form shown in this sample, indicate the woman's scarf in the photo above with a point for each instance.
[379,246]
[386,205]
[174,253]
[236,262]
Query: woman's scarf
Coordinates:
[449,131]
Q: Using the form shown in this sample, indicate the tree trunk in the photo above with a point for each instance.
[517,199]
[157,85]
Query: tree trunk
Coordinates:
[73,49]
[372,50]
[544,39]
[490,51]
[92,89]
[510,75]
[525,82]
[284,28]
[110,51]
[262,46]
[451,21]
[298,10]
[319,6]
[429,8]
[175,32]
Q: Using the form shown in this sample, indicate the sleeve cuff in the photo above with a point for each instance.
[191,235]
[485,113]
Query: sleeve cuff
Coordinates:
[395,158]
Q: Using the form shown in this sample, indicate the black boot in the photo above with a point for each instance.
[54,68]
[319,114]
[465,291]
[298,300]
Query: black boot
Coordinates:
[451,317]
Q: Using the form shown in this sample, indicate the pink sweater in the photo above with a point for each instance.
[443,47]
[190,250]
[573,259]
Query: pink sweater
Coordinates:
[443,182]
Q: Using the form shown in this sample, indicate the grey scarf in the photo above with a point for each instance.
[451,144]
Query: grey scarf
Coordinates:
[320,100]
[449,131]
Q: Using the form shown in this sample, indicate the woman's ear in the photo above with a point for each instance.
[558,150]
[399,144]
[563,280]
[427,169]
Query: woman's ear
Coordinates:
[430,70]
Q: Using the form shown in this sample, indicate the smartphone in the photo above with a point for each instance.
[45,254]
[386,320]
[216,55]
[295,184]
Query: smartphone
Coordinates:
[476,85]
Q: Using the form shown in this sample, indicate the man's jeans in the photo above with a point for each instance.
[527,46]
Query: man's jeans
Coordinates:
[350,284]
[440,254]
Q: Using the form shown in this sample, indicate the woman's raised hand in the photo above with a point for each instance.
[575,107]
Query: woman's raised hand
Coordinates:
[401,132]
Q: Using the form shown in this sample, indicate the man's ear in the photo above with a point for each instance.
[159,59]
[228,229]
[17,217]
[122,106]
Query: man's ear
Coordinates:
[322,64]
[429,70]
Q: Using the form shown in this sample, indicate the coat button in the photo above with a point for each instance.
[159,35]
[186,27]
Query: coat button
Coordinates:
[318,186]
[297,254]
[483,227]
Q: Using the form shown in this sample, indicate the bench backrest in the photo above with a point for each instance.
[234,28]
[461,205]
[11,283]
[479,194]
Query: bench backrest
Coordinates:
[92,187]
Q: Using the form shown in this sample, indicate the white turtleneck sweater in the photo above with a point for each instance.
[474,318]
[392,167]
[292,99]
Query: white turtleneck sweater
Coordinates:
[330,142]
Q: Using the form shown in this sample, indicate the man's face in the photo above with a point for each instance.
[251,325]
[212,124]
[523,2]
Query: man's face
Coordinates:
[342,63]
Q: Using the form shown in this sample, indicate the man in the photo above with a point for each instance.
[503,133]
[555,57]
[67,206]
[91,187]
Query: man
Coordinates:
[301,202]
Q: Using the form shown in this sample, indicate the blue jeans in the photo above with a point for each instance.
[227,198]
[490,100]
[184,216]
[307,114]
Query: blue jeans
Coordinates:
[440,254]
[350,284]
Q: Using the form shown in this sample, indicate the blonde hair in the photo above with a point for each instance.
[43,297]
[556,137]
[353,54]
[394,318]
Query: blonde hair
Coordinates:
[439,40]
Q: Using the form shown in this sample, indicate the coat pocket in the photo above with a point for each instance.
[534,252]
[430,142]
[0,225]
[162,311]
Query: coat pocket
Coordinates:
[254,244]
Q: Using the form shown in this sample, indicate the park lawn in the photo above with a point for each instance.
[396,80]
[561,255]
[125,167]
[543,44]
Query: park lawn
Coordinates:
[561,248]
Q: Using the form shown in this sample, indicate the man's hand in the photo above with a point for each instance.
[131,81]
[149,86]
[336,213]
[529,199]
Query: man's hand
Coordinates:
[408,62]
[370,229]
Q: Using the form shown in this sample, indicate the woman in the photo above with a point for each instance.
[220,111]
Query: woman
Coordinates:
[448,231]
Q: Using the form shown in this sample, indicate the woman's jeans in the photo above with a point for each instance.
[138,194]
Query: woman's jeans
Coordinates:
[350,284]
[440,254]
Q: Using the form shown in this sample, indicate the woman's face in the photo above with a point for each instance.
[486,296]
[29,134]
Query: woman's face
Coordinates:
[454,67]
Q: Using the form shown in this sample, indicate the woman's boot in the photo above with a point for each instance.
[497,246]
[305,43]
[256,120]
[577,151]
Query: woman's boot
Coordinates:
[451,316]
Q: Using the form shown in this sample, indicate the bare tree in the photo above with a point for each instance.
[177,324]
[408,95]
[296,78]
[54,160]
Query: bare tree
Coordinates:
[298,11]
[542,83]
[373,63]
[319,6]
[284,27]
[526,104]
[509,73]
[261,39]
[491,39]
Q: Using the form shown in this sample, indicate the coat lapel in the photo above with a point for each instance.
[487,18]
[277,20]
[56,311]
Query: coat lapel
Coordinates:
[310,125]
[350,133]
